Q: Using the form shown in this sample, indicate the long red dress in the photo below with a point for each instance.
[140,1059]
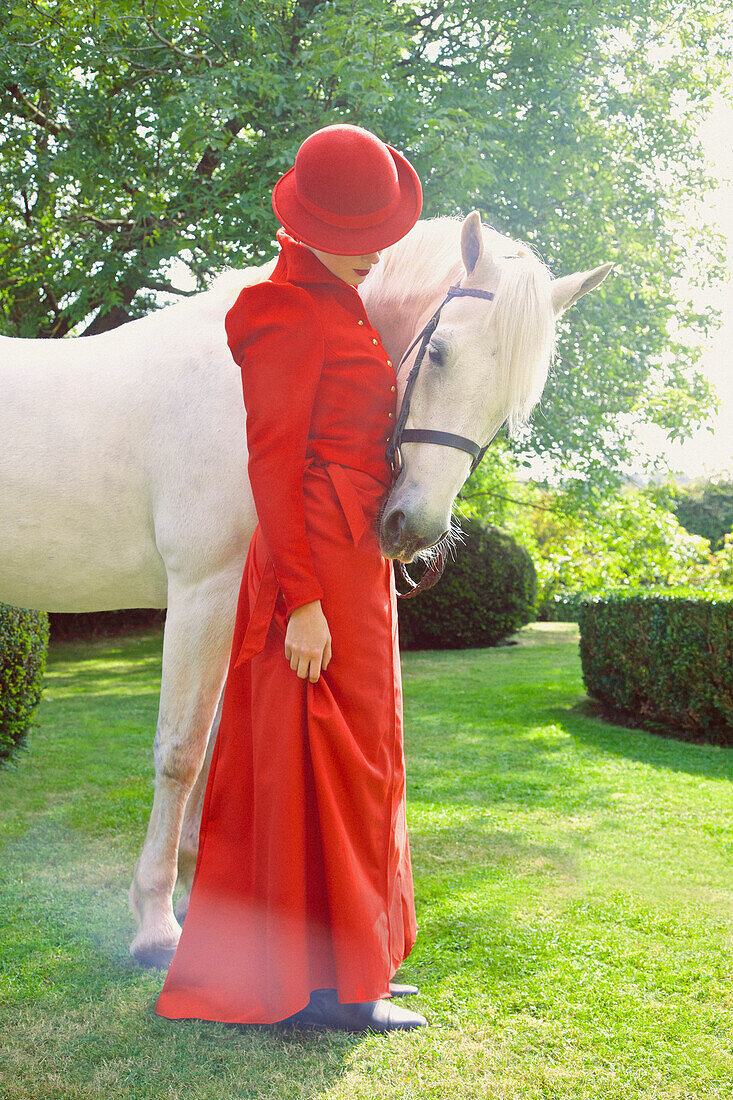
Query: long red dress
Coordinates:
[303,879]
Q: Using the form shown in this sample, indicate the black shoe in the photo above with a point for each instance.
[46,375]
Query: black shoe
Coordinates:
[397,989]
[325,1012]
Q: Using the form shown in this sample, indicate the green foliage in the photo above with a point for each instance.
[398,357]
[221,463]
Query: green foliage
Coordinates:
[491,491]
[23,648]
[563,607]
[623,540]
[482,598]
[584,544]
[720,573]
[141,134]
[705,508]
[662,658]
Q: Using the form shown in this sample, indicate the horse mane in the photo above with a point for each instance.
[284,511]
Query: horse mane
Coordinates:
[417,271]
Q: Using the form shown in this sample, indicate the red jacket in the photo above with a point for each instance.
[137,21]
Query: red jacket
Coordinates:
[316,382]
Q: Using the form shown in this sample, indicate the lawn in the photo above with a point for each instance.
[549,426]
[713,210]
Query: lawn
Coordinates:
[574,892]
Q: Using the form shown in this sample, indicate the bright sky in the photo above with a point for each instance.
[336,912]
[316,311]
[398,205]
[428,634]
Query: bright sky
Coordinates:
[711,452]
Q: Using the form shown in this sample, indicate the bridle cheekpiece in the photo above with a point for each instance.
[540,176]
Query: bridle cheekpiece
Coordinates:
[430,435]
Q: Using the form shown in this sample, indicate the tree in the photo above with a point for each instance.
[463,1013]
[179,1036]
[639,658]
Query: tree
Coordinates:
[138,133]
[704,508]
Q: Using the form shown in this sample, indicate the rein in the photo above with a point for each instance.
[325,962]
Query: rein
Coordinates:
[429,435]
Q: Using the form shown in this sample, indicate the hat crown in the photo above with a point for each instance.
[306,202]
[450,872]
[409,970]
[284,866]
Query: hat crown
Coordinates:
[344,171]
[348,192]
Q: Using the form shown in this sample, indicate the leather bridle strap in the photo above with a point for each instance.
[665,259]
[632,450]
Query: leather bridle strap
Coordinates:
[448,439]
[430,435]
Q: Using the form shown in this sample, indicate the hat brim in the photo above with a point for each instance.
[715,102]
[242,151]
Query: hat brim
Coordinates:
[340,241]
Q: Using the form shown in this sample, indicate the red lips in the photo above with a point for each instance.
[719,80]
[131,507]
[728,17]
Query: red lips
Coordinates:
[361,271]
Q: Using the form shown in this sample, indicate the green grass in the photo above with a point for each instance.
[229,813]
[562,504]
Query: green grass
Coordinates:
[574,892]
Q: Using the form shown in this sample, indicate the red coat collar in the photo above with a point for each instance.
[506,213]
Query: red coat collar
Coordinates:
[297,264]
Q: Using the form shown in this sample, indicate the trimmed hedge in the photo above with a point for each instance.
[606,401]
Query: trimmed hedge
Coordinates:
[485,595]
[662,659]
[23,647]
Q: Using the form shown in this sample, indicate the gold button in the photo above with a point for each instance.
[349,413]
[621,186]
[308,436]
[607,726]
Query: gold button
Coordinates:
[392,389]
[388,439]
[360,322]
[389,362]
[374,340]
[390,416]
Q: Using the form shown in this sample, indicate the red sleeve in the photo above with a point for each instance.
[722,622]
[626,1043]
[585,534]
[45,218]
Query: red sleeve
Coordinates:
[278,344]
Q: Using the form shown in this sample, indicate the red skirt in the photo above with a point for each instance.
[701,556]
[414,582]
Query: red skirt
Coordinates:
[303,879]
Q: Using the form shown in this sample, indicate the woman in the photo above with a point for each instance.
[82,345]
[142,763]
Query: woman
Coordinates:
[302,906]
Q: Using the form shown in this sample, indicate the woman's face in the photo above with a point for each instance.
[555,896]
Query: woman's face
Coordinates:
[352,269]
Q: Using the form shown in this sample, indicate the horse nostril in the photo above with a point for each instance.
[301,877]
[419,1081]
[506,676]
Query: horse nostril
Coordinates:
[394,526]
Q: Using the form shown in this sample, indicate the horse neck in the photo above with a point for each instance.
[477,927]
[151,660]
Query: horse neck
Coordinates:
[397,318]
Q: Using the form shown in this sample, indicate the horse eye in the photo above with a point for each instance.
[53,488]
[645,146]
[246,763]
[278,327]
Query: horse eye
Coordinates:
[434,355]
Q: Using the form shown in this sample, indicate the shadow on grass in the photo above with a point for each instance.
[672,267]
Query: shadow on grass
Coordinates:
[464,852]
[667,752]
[88,682]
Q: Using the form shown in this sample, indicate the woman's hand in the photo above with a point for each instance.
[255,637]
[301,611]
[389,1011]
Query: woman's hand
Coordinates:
[308,641]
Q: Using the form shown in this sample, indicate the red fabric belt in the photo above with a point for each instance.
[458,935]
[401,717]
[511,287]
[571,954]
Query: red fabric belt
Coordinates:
[268,587]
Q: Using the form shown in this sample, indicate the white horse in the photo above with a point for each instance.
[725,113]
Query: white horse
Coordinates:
[123,479]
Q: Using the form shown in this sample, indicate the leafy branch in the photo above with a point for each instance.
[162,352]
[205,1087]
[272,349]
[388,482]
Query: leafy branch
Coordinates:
[35,114]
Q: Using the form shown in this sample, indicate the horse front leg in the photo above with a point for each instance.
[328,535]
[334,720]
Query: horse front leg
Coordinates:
[188,846]
[196,646]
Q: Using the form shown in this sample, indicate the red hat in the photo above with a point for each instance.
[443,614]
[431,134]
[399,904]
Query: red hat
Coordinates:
[349,193]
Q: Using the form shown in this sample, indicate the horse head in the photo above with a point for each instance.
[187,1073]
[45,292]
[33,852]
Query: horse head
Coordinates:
[484,364]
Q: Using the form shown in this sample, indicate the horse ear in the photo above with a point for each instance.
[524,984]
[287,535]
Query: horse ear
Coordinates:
[472,244]
[567,290]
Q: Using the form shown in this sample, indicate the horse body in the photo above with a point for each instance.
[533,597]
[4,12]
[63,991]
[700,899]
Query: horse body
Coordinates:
[123,480]
[77,533]
[93,436]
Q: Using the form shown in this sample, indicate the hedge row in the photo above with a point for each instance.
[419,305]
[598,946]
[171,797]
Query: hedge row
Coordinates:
[23,648]
[662,659]
[69,626]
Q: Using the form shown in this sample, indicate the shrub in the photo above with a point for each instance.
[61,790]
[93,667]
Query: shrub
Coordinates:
[720,570]
[23,648]
[483,596]
[662,659]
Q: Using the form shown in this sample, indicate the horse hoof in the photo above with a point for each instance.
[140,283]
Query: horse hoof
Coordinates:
[153,955]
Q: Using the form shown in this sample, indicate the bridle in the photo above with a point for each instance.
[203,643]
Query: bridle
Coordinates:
[429,435]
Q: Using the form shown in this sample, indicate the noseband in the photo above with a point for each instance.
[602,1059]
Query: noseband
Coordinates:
[429,435]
